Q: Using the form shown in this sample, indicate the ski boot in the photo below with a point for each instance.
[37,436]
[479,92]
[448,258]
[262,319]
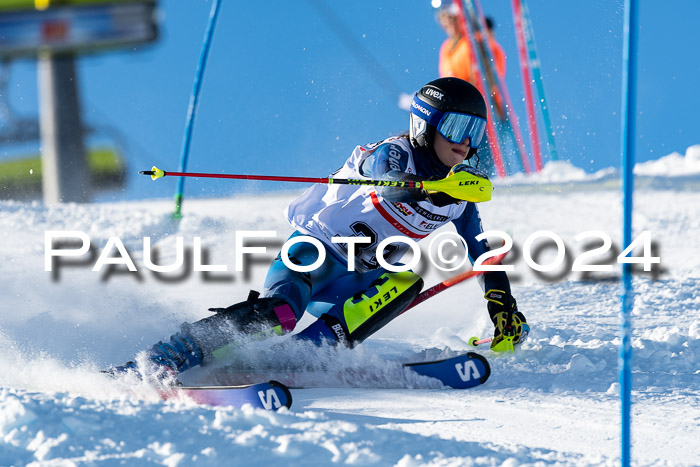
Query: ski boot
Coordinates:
[366,312]
[199,342]
[511,329]
[164,359]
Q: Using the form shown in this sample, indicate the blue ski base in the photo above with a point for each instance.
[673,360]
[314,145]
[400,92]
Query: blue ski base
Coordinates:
[460,372]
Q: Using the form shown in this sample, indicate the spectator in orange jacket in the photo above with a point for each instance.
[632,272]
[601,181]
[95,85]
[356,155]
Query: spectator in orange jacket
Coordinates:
[455,53]
[456,60]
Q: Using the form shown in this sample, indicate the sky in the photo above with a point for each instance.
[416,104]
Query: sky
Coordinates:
[284,93]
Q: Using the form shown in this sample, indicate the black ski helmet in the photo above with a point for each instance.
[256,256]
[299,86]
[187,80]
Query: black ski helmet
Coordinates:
[445,95]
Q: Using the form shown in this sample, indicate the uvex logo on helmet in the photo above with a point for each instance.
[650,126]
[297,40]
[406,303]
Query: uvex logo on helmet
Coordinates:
[434,93]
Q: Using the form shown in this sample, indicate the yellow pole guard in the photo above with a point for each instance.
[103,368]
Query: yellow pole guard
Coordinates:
[505,344]
[157,173]
[462,185]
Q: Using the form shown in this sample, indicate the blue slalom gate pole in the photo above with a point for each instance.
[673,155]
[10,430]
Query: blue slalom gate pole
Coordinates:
[192,109]
[629,112]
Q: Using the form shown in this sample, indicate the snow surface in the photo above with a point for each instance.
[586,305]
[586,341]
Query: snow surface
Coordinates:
[673,165]
[553,402]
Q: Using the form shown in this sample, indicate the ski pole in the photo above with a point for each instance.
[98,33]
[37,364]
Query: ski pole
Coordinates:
[449,282]
[475,341]
[460,185]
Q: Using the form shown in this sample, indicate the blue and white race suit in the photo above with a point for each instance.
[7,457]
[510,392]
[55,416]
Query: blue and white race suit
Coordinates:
[328,211]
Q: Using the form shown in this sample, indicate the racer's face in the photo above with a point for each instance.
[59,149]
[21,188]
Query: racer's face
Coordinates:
[450,153]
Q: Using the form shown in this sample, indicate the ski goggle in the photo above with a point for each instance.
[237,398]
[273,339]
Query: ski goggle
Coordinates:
[458,127]
[455,127]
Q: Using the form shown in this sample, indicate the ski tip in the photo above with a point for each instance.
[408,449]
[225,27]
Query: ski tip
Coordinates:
[487,367]
[285,390]
[459,372]
[268,395]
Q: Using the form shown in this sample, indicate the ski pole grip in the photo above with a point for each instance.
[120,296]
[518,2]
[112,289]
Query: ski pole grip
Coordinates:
[156,173]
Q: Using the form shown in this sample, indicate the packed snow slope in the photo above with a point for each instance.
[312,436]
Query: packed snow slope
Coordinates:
[555,401]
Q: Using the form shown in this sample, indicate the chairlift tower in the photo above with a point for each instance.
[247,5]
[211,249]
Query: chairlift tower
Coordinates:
[55,33]
[65,171]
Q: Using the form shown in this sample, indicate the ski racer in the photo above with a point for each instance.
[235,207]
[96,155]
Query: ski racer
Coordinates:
[353,294]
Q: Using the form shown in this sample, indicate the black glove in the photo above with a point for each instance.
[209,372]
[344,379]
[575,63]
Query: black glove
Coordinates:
[440,199]
[509,323]
[404,195]
[465,167]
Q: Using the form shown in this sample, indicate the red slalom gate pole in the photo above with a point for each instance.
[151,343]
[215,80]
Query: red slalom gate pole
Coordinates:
[527,84]
[491,133]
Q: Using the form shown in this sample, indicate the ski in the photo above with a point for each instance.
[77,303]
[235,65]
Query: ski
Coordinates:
[270,395]
[458,372]
[461,372]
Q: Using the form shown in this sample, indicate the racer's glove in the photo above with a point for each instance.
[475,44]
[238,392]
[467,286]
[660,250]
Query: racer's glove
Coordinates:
[510,325]
[440,199]
[465,167]
[405,195]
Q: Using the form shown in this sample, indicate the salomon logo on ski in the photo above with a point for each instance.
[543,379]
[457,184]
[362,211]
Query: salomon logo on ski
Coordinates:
[467,370]
[471,368]
[270,395]
[269,399]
